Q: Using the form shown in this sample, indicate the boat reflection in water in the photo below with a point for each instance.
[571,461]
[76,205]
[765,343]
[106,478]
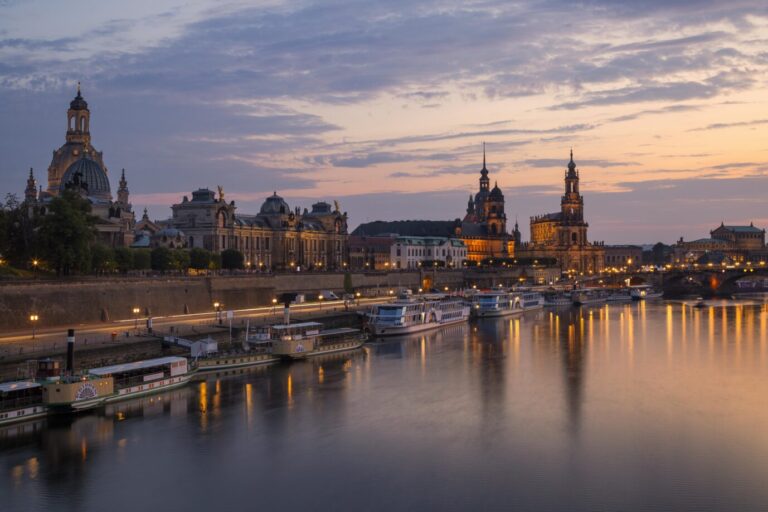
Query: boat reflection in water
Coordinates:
[573,409]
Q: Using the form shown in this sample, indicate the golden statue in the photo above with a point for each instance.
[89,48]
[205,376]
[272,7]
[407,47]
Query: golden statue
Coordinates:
[221,192]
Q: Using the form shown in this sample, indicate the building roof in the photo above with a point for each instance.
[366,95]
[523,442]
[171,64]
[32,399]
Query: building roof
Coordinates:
[203,195]
[78,103]
[547,216]
[87,172]
[275,205]
[136,365]
[17,385]
[428,241]
[742,229]
[407,228]
[713,241]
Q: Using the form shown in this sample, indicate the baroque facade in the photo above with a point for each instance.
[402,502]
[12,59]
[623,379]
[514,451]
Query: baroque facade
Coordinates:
[484,227]
[734,243]
[563,235]
[411,252]
[277,238]
[78,166]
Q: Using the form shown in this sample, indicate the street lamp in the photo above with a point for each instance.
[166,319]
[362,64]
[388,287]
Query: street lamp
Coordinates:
[35,263]
[136,312]
[320,298]
[217,307]
[33,318]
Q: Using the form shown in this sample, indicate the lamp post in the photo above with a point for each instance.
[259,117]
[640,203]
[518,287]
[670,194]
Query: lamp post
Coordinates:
[274,305]
[320,298]
[33,318]
[136,312]
[35,263]
[217,308]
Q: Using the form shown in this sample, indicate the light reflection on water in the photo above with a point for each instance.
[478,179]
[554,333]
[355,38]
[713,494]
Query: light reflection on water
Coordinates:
[623,407]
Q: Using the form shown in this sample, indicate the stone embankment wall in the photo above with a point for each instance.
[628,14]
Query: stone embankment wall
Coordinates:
[70,303]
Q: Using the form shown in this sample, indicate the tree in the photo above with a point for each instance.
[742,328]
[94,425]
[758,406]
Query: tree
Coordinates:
[199,259]
[142,259]
[124,259]
[181,260]
[162,259]
[66,233]
[102,259]
[232,259]
[16,232]
[215,261]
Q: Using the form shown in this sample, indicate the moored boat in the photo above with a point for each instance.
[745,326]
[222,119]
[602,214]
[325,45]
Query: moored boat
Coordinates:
[307,339]
[487,304]
[532,300]
[587,297]
[416,314]
[556,300]
[20,401]
[645,292]
[144,377]
[622,295]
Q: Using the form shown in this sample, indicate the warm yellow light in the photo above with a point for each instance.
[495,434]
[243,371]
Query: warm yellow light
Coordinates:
[33,318]
[274,301]
[319,297]
[216,305]
[136,311]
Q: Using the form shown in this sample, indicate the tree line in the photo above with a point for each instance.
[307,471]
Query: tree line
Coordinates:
[63,240]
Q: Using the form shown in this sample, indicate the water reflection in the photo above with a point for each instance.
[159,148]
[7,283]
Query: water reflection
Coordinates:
[629,406]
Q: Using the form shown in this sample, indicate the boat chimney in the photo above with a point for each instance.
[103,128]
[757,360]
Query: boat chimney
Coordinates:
[70,351]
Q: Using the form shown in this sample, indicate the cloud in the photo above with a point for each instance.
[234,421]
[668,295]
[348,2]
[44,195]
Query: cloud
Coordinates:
[720,126]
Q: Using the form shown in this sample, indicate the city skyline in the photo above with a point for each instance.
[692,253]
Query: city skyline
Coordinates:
[386,109]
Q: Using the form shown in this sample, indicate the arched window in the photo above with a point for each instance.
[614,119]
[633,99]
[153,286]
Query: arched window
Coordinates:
[574,237]
[82,124]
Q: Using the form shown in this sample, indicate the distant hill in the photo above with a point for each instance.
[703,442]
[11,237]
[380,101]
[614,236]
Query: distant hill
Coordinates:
[407,228]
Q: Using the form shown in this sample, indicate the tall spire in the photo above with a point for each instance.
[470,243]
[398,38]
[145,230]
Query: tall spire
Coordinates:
[30,193]
[571,167]
[483,154]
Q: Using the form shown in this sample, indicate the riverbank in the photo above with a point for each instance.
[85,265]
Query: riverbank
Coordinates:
[16,360]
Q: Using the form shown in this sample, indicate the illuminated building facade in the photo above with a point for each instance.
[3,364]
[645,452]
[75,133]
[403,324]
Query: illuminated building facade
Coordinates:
[563,235]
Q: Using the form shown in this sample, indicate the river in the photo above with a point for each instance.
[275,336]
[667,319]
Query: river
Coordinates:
[635,407]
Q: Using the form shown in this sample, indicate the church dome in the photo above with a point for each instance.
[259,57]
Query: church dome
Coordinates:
[89,173]
[78,103]
[275,205]
[496,193]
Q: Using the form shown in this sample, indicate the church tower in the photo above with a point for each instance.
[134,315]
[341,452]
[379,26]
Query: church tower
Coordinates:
[30,193]
[122,192]
[76,146]
[78,120]
[494,212]
[484,181]
[574,229]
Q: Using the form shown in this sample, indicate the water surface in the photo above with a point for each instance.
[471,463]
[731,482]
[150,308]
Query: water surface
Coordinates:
[624,407]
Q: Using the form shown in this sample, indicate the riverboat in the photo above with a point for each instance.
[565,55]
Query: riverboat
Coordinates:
[230,360]
[487,304]
[421,313]
[532,300]
[558,300]
[144,377]
[21,400]
[308,339]
[645,292]
[587,297]
[622,295]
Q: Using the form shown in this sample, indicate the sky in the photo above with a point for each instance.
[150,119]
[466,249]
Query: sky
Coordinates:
[384,106]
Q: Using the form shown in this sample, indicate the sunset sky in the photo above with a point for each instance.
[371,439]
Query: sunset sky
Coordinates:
[385,105]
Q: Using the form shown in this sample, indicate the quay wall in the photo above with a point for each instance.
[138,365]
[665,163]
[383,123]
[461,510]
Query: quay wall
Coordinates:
[60,303]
